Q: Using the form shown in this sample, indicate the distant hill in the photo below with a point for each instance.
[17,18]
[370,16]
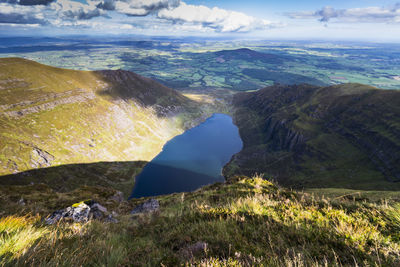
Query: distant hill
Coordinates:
[248,55]
[345,136]
[51,116]
[270,73]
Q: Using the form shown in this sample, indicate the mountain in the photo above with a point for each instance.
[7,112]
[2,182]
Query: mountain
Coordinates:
[51,116]
[249,55]
[271,72]
[342,136]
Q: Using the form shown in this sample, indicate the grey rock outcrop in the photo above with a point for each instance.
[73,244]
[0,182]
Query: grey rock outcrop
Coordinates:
[151,205]
[81,212]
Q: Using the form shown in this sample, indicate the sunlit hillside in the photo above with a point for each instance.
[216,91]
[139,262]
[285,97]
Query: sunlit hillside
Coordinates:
[51,116]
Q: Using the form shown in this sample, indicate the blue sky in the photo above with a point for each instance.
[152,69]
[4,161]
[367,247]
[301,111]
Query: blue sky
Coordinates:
[372,20]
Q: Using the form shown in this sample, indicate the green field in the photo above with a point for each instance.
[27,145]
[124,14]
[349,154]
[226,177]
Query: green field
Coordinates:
[187,64]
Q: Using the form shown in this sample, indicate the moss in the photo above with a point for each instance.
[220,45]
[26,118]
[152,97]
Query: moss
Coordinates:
[80,203]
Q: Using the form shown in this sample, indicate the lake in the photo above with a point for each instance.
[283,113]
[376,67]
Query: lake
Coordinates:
[191,160]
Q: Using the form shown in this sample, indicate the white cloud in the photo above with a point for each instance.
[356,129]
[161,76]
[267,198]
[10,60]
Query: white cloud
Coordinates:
[219,19]
[168,15]
[367,14]
[135,7]
[72,10]
[13,14]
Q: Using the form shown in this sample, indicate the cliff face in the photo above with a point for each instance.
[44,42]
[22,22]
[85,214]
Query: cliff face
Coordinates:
[348,135]
[51,116]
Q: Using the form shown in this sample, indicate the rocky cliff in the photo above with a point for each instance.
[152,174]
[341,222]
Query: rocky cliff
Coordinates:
[347,135]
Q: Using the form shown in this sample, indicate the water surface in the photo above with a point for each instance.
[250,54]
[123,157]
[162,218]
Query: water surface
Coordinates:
[191,160]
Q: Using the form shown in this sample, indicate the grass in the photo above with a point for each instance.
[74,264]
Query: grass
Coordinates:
[65,178]
[17,234]
[246,221]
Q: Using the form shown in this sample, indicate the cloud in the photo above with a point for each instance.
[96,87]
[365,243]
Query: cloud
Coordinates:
[163,15]
[12,14]
[367,14]
[219,19]
[28,2]
[34,2]
[136,7]
[72,10]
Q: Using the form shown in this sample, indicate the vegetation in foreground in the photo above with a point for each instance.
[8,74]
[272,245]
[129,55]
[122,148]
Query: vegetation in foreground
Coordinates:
[246,221]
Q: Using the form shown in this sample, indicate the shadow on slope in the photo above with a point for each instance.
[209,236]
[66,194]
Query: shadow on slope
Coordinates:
[65,178]
[129,85]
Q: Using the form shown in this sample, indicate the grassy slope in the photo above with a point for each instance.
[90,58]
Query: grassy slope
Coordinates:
[65,178]
[308,136]
[51,116]
[244,222]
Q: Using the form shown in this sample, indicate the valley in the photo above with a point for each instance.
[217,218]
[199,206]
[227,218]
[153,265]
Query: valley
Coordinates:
[199,133]
[303,136]
[193,63]
[318,168]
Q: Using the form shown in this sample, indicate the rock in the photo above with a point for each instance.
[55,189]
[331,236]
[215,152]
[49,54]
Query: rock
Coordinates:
[98,211]
[111,219]
[118,197]
[81,212]
[99,207]
[21,202]
[40,158]
[58,215]
[151,205]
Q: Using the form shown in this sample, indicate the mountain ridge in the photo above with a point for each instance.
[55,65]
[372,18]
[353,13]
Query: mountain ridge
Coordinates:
[52,116]
[295,130]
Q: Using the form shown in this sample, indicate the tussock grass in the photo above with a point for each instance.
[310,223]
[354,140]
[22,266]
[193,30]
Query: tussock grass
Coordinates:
[17,234]
[244,222]
[394,215]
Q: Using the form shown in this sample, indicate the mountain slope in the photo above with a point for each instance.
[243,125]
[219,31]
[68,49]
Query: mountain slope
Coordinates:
[51,116]
[245,222]
[308,136]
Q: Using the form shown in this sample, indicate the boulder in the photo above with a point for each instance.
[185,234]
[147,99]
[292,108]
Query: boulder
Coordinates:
[151,205]
[81,212]
[98,211]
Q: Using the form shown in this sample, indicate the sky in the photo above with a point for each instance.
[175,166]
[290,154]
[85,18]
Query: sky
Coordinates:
[364,20]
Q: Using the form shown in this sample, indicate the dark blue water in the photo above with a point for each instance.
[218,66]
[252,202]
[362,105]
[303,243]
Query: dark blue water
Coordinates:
[191,160]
